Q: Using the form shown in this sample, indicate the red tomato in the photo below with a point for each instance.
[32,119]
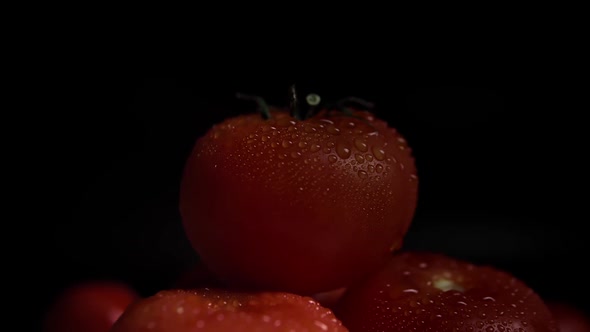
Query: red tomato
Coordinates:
[569,318]
[221,310]
[92,306]
[304,206]
[433,292]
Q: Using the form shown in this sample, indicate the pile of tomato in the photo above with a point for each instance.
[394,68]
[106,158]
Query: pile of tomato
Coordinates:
[299,217]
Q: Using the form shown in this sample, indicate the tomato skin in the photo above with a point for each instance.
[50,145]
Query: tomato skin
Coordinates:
[224,310]
[301,206]
[418,291]
[91,306]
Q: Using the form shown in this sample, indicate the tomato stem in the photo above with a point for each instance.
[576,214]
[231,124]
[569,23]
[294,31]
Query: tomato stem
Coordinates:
[294,103]
[262,105]
[341,104]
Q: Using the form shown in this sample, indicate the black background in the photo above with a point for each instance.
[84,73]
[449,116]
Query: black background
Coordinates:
[497,157]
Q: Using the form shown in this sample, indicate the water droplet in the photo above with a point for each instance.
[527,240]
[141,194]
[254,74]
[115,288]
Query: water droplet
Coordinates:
[379,168]
[360,144]
[309,129]
[332,158]
[333,130]
[343,150]
[370,168]
[327,150]
[286,143]
[359,158]
[250,141]
[490,329]
[314,147]
[362,174]
[489,298]
[379,153]
[479,324]
[410,290]
[295,154]
[369,157]
[482,315]
[302,144]
[274,144]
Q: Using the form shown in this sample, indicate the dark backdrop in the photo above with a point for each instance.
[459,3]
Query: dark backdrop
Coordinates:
[496,158]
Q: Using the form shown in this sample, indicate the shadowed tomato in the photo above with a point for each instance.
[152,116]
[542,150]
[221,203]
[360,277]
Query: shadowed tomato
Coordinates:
[304,206]
[223,310]
[433,292]
[92,306]
[329,299]
[569,318]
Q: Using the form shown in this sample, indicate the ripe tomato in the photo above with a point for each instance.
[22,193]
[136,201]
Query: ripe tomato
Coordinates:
[433,292]
[92,306]
[298,205]
[222,310]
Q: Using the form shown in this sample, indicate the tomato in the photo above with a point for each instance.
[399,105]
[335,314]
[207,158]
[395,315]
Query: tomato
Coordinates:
[222,310]
[91,306]
[298,205]
[433,292]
